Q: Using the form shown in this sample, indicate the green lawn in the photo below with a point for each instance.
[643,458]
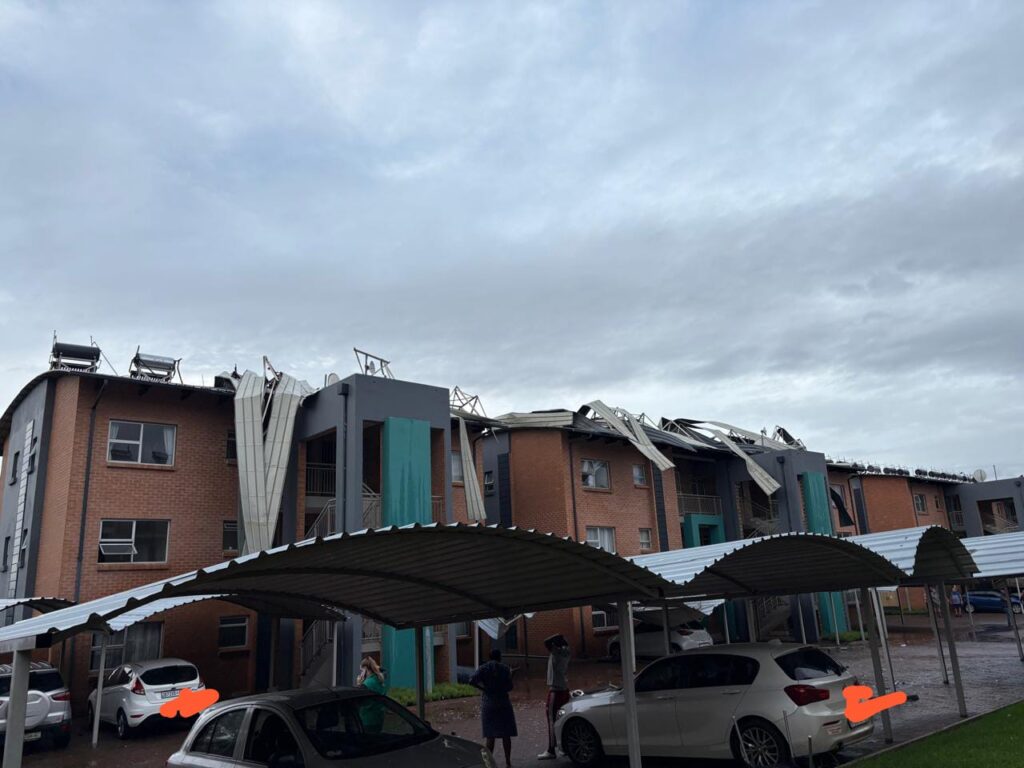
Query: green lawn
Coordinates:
[441,692]
[992,741]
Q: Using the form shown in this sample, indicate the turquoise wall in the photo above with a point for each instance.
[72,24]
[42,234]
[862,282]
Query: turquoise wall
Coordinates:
[692,524]
[405,492]
[819,520]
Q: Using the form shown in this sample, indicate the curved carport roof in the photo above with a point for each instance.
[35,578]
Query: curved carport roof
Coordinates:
[41,604]
[998,555]
[796,563]
[405,577]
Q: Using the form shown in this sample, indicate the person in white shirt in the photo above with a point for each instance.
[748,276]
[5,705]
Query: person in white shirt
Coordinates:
[558,686]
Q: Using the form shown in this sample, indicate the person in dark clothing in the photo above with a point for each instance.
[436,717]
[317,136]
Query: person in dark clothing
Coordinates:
[497,718]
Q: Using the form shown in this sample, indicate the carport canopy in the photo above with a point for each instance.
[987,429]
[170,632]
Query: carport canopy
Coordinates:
[997,556]
[41,604]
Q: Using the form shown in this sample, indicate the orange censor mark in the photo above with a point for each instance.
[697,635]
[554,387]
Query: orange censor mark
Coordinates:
[862,704]
[189,703]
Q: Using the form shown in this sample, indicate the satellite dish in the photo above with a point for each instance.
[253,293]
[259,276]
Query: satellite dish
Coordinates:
[332,378]
[980,475]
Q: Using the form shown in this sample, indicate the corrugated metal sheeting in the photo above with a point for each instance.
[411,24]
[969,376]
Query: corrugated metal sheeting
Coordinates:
[41,604]
[410,576]
[797,563]
[1000,555]
[474,500]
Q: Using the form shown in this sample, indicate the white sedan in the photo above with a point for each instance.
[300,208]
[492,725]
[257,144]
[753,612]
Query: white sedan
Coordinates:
[649,639]
[693,704]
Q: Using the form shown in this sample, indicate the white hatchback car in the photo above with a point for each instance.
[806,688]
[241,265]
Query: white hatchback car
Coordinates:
[650,639]
[692,704]
[134,692]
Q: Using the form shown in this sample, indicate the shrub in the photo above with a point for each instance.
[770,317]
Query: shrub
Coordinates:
[442,692]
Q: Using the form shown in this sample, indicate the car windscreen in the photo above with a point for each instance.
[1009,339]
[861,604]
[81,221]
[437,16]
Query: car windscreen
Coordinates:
[45,680]
[344,729]
[170,675]
[808,664]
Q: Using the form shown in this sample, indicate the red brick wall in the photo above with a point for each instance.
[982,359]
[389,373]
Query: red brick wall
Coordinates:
[889,503]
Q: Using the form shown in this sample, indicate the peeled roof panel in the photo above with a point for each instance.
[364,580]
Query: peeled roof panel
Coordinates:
[636,436]
[927,554]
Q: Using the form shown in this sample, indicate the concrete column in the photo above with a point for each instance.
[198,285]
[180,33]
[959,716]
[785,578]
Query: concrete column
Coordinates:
[876,663]
[15,736]
[953,661]
[627,653]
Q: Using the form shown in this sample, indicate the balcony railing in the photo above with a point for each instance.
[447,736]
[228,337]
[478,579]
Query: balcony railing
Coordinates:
[320,479]
[694,504]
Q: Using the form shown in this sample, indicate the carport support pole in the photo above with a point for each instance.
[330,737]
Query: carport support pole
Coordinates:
[626,656]
[421,694]
[953,661]
[666,634]
[16,710]
[883,633]
[860,616]
[835,615]
[876,663]
[800,613]
[99,690]
[1016,629]
[938,637]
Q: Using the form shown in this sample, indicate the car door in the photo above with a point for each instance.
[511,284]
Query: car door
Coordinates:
[714,687]
[220,742]
[656,690]
[271,742]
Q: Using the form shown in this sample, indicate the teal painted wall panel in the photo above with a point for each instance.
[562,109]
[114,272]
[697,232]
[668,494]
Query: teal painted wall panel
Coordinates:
[692,525]
[819,520]
[405,492]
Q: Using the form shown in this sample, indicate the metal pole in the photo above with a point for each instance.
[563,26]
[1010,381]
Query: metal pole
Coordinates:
[899,604]
[1018,591]
[628,691]
[860,616]
[876,663]
[421,697]
[835,616]
[953,661]
[725,622]
[880,615]
[631,631]
[476,645]
[16,710]
[938,637]
[666,633]
[751,621]
[334,653]
[274,625]
[800,613]
[1012,618]
[99,690]
[969,609]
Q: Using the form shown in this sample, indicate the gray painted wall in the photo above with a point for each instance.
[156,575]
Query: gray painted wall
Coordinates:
[972,493]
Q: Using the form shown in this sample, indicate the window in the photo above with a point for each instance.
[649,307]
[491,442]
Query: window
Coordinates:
[133,541]
[639,474]
[956,503]
[457,475]
[602,538]
[229,536]
[715,670]
[15,462]
[220,734]
[173,674]
[698,487]
[596,474]
[44,680]
[231,448]
[354,727]
[665,675]
[271,742]
[488,483]
[233,632]
[808,664]
[645,539]
[938,504]
[135,443]
[604,617]
[462,629]
[139,642]
[920,505]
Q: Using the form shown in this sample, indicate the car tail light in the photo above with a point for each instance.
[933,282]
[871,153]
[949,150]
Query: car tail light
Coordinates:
[137,687]
[685,632]
[65,696]
[806,694]
[201,683]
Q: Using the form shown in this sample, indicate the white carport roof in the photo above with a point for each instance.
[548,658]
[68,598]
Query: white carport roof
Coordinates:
[42,604]
[998,555]
[795,563]
[405,577]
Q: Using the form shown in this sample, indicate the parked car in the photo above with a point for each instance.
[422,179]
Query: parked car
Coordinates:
[134,692]
[48,709]
[320,727]
[650,639]
[691,705]
[990,601]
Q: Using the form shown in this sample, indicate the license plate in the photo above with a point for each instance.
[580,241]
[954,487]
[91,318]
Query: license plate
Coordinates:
[168,694]
[33,736]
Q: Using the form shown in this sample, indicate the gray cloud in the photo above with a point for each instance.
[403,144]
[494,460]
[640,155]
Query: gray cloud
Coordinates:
[766,213]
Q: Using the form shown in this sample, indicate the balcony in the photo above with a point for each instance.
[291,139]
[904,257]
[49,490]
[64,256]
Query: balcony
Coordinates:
[694,504]
[320,479]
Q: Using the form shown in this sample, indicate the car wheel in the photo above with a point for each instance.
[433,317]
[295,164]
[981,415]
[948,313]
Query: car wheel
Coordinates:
[762,744]
[123,729]
[582,743]
[1016,608]
[614,651]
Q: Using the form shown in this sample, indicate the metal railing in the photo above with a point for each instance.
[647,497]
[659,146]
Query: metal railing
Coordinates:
[320,479]
[373,510]
[956,520]
[323,524]
[697,504]
[1000,522]
[372,513]
[437,508]
[319,634]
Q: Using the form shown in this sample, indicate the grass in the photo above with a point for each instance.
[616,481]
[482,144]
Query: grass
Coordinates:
[995,739]
[442,692]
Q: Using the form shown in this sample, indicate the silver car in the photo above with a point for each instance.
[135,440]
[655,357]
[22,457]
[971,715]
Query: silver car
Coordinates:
[48,712]
[133,693]
[317,728]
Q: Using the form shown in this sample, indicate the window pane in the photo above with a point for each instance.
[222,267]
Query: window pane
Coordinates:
[116,530]
[143,641]
[124,452]
[270,739]
[229,539]
[457,475]
[157,444]
[808,664]
[125,430]
[664,675]
[232,632]
[639,474]
[171,675]
[601,478]
[151,541]
[219,737]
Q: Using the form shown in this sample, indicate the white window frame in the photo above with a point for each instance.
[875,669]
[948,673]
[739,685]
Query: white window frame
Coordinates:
[603,625]
[111,441]
[598,536]
[488,482]
[649,544]
[643,482]
[233,622]
[127,546]
[456,461]
[588,469]
[923,508]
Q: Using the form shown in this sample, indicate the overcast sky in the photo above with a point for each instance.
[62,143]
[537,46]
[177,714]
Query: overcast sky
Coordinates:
[807,214]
